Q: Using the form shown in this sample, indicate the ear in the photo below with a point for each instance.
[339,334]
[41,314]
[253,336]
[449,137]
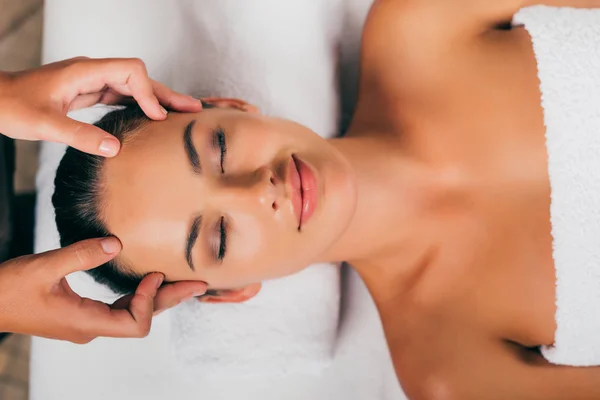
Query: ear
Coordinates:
[231,295]
[237,104]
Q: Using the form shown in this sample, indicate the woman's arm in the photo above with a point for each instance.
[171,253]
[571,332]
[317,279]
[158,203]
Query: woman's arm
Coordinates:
[516,374]
[487,13]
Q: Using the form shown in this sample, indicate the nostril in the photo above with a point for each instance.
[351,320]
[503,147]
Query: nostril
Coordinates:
[272,179]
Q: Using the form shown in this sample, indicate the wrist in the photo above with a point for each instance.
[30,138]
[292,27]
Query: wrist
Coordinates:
[5,98]
[4,324]
[4,80]
[7,301]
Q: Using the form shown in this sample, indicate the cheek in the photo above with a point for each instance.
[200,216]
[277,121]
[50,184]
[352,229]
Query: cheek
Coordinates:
[262,250]
[250,234]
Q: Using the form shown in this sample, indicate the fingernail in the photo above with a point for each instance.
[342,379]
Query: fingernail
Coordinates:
[109,147]
[198,294]
[160,280]
[164,111]
[110,245]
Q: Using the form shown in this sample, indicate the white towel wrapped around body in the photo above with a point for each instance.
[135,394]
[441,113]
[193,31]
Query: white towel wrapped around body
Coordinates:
[567,48]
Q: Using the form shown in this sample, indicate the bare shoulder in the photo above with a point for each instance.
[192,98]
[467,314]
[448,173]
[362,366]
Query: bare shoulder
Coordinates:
[448,362]
[400,57]
[431,345]
[410,48]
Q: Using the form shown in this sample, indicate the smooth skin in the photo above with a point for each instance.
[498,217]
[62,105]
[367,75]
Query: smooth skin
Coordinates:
[438,196]
[35,298]
[465,303]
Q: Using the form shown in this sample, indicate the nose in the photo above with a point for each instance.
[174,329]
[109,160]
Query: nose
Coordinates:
[259,188]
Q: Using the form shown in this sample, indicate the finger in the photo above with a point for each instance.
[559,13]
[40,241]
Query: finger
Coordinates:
[142,90]
[142,303]
[84,137]
[82,256]
[174,293]
[85,100]
[123,302]
[176,101]
[107,96]
[128,77]
[133,320]
[31,124]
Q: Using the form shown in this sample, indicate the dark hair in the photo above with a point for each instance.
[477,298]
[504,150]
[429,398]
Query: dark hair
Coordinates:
[77,197]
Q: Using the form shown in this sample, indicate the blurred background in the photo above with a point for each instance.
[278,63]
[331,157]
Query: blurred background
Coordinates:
[20,48]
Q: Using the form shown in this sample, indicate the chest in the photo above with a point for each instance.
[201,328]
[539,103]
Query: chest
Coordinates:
[484,119]
[509,253]
[503,269]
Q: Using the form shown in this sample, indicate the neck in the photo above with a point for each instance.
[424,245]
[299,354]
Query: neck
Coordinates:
[389,192]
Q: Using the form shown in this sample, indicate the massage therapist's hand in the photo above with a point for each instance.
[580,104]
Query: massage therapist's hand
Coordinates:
[34,103]
[35,298]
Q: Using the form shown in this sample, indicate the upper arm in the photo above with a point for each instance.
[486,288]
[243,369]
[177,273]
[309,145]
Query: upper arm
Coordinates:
[409,49]
[507,372]
[484,12]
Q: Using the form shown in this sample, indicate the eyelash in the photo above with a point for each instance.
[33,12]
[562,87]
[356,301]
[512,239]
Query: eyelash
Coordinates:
[219,142]
[223,240]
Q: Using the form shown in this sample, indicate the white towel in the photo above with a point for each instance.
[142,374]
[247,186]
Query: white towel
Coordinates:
[290,54]
[290,328]
[567,47]
[143,369]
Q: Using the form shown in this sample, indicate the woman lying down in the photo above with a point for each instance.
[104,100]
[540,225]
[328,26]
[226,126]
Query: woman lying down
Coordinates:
[438,196]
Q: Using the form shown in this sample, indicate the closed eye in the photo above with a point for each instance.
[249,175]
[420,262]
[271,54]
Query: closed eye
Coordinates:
[223,240]
[220,143]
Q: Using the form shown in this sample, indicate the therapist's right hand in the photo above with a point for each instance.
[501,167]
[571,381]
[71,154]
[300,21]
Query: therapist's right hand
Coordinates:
[35,298]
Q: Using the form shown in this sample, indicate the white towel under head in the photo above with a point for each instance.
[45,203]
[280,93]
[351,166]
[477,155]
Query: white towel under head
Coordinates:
[281,57]
[567,48]
[290,328]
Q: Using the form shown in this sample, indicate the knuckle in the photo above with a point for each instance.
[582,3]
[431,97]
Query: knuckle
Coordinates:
[72,70]
[143,330]
[76,60]
[82,340]
[73,67]
[138,65]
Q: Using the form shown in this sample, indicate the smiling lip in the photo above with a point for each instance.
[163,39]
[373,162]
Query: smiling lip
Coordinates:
[305,195]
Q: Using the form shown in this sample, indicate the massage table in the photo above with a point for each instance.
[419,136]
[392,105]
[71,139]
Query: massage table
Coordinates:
[127,369]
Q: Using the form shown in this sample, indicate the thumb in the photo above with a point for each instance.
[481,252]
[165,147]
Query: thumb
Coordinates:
[84,255]
[84,137]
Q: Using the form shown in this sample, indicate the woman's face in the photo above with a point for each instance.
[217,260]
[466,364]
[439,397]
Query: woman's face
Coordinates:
[226,196]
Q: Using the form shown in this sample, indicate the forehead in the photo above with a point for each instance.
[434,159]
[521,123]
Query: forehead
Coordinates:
[147,200]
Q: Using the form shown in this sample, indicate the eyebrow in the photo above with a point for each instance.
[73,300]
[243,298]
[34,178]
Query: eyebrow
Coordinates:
[191,240]
[190,149]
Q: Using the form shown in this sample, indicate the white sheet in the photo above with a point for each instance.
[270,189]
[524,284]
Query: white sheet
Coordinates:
[143,369]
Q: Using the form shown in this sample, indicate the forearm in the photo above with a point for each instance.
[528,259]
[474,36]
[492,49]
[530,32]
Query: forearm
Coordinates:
[4,109]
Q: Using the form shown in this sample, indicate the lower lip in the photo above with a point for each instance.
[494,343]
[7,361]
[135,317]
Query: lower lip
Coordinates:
[310,195]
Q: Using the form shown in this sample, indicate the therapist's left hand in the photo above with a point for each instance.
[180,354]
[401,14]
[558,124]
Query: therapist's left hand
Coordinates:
[34,103]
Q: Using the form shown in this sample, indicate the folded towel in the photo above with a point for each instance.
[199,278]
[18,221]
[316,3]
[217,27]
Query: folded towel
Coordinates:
[289,328]
[567,47]
[282,57]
